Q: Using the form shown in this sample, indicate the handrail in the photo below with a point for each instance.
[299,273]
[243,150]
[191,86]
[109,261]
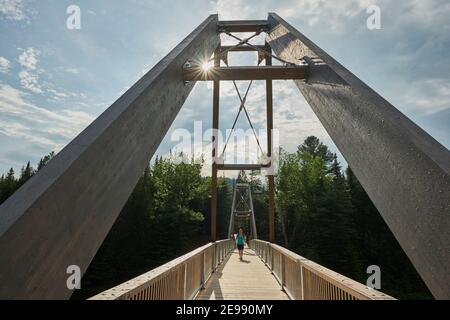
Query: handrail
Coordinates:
[303,279]
[179,279]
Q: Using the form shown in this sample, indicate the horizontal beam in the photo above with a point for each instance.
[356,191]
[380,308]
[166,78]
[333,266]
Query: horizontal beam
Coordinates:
[245,73]
[229,167]
[243,26]
[241,48]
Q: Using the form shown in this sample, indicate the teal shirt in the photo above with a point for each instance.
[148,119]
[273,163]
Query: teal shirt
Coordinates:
[240,240]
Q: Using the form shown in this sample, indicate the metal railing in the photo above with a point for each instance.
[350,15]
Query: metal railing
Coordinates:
[303,279]
[179,279]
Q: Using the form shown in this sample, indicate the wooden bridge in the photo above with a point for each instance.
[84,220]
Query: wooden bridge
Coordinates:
[61,216]
[267,272]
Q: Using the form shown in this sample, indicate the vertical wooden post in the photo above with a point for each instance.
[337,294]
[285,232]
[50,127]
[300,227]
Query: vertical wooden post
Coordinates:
[216,98]
[213,259]
[269,99]
[185,282]
[302,280]
[203,275]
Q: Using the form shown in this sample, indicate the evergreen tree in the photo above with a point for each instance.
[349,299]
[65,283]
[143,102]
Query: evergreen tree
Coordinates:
[8,186]
[46,159]
[321,213]
[316,148]
[26,173]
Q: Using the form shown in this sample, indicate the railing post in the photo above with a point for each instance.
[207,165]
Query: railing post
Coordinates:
[282,271]
[214,257]
[184,282]
[266,254]
[271,257]
[302,280]
[203,276]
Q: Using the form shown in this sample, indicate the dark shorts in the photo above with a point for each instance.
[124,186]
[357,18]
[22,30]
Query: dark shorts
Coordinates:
[240,247]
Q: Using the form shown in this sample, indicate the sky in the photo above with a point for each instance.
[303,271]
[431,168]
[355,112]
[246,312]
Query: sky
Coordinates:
[54,81]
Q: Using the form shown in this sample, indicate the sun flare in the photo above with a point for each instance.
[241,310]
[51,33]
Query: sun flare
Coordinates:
[206,66]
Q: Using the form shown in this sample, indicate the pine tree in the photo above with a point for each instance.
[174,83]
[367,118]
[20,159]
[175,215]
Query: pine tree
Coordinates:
[26,174]
[8,186]
[45,160]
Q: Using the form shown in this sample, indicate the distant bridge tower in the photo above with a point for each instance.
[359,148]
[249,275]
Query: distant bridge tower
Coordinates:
[242,208]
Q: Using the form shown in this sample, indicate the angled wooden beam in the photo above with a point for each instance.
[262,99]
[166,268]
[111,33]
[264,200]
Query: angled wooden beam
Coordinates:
[61,216]
[245,73]
[405,172]
[242,26]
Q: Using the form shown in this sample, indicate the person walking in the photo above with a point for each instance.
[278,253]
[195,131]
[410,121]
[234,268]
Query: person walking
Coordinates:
[240,242]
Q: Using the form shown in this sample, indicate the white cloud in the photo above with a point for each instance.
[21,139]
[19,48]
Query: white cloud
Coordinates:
[29,77]
[72,70]
[57,95]
[428,13]
[13,10]
[436,99]
[5,65]
[30,81]
[29,58]
[24,120]
[331,14]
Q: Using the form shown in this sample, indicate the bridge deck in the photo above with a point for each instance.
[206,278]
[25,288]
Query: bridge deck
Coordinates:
[242,280]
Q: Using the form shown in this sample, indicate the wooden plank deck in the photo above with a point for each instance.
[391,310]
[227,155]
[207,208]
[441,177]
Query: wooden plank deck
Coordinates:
[242,280]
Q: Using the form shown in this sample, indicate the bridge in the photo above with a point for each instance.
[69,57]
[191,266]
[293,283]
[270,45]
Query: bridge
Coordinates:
[268,272]
[61,216]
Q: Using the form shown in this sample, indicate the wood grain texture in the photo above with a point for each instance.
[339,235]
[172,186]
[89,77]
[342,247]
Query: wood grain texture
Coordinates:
[242,280]
[61,216]
[404,170]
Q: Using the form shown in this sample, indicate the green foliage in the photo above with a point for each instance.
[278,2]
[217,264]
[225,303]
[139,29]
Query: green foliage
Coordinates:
[327,217]
[163,218]
[45,160]
[321,213]
[9,183]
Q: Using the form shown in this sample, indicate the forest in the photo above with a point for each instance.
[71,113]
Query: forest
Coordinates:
[322,213]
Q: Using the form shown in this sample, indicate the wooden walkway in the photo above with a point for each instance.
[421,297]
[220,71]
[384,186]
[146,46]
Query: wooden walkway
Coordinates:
[242,280]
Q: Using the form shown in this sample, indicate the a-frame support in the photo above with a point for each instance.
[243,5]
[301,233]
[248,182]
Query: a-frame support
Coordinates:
[405,172]
[60,217]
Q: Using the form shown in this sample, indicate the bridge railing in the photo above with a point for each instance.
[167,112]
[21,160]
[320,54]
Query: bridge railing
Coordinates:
[179,279]
[303,279]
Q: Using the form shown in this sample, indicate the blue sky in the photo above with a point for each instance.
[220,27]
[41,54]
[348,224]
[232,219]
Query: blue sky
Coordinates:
[55,81]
